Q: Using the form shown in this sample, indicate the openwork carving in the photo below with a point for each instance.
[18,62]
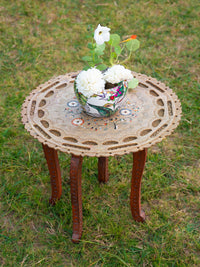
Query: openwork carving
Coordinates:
[52,114]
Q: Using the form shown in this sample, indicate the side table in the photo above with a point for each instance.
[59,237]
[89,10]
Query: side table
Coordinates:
[52,115]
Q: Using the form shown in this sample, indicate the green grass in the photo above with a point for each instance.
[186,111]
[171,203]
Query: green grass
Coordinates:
[41,39]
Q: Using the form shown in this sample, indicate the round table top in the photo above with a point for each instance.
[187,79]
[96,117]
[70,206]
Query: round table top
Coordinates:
[52,114]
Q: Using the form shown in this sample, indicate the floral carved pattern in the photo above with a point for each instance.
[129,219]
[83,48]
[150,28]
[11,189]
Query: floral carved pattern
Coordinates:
[52,114]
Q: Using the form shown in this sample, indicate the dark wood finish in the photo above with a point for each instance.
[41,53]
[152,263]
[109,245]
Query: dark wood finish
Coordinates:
[55,174]
[51,156]
[103,170]
[76,197]
[139,159]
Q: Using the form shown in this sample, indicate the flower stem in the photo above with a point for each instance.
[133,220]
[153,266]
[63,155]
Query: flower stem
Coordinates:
[125,60]
[120,54]
[111,59]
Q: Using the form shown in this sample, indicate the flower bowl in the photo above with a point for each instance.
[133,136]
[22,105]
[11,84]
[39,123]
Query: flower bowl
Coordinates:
[105,103]
[91,90]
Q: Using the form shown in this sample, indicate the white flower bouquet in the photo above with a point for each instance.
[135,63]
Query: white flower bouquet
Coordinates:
[100,87]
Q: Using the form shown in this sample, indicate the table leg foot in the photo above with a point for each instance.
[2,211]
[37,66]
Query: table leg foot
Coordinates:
[103,169]
[55,174]
[139,159]
[139,217]
[76,238]
[76,197]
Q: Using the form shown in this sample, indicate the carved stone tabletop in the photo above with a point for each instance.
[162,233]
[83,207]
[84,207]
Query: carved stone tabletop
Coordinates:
[52,114]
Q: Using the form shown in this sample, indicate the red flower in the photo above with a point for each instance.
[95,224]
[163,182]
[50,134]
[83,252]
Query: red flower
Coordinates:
[133,36]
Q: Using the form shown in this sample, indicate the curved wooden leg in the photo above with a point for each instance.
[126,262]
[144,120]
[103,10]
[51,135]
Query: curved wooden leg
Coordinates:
[76,197]
[54,171]
[139,159]
[103,170]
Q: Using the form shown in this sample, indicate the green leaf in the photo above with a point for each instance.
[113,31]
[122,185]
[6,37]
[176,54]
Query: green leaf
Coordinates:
[102,67]
[114,40]
[99,49]
[91,64]
[86,68]
[90,46]
[118,50]
[97,61]
[113,55]
[133,83]
[133,45]
[87,58]
[99,53]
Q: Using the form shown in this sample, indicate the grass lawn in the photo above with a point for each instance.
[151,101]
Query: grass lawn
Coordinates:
[42,39]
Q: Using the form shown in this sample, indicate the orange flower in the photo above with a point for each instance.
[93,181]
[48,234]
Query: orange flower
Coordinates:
[129,39]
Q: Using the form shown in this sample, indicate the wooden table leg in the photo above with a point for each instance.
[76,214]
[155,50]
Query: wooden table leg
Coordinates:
[76,197]
[54,171]
[103,169]
[139,159]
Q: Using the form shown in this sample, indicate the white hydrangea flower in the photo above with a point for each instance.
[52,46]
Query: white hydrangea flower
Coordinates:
[101,34]
[117,73]
[90,82]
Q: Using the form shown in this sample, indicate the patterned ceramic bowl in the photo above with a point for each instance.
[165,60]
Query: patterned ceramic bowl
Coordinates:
[104,104]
